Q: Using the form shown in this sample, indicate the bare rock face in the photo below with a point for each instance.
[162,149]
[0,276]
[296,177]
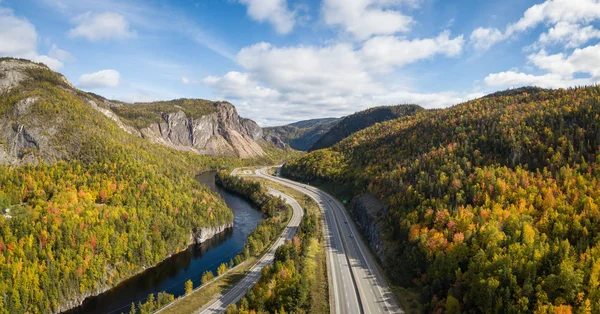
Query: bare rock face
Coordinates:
[111,115]
[20,141]
[25,136]
[368,211]
[222,133]
[275,140]
[204,234]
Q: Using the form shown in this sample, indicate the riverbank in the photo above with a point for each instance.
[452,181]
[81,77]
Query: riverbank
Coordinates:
[280,216]
[171,274]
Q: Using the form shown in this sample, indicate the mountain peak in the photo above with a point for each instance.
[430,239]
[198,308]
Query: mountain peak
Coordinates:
[45,113]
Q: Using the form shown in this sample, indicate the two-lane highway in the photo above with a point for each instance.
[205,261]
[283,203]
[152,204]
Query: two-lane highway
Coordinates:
[221,302]
[356,282]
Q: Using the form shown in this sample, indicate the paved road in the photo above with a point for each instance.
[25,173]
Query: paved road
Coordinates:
[239,290]
[357,284]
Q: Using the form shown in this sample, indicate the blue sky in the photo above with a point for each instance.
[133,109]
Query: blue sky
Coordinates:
[281,61]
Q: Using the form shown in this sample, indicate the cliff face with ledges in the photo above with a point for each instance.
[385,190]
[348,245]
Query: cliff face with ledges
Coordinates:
[34,128]
[221,133]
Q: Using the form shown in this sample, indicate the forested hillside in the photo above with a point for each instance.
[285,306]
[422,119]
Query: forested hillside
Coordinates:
[492,205]
[303,134]
[362,120]
[85,204]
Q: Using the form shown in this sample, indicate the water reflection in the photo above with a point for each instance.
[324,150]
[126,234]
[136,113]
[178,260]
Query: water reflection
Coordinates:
[171,274]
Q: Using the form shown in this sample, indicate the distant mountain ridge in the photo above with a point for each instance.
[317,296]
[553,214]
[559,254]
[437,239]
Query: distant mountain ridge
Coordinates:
[303,134]
[309,135]
[361,120]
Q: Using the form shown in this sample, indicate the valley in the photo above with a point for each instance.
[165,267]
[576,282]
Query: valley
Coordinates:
[410,210]
[299,157]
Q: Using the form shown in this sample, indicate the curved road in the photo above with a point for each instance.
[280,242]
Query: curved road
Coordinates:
[233,295]
[357,284]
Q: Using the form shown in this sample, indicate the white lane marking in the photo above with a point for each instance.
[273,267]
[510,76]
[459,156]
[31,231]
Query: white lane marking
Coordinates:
[367,261]
[368,264]
[316,196]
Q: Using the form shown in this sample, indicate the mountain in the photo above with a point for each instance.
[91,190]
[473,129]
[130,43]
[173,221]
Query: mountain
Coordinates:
[200,126]
[87,197]
[315,134]
[361,120]
[303,134]
[492,205]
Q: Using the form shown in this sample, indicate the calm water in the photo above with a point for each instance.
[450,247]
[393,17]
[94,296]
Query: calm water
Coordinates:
[172,273]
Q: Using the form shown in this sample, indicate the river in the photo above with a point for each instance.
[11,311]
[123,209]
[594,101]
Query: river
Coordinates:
[172,273]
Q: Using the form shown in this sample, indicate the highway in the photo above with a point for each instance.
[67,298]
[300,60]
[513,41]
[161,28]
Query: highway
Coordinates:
[233,295]
[355,281]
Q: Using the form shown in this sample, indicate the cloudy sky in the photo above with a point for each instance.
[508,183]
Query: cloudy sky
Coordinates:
[281,61]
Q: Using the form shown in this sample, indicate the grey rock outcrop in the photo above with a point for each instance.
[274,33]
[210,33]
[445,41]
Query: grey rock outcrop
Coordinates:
[275,140]
[204,234]
[222,133]
[22,138]
[111,115]
[367,211]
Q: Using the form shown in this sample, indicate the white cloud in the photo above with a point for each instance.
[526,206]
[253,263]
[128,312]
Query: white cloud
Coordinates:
[561,70]
[364,18]
[103,26]
[18,38]
[292,83]
[554,11]
[185,80]
[331,69]
[571,35]
[517,79]
[387,52]
[586,61]
[275,12]
[103,78]
[484,38]
[236,85]
[59,54]
[564,15]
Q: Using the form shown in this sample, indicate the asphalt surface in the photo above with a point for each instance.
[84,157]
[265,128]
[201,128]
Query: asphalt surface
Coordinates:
[354,279]
[233,295]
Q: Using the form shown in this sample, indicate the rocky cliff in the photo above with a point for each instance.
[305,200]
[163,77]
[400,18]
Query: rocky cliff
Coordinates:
[221,133]
[204,234]
[28,132]
[368,212]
